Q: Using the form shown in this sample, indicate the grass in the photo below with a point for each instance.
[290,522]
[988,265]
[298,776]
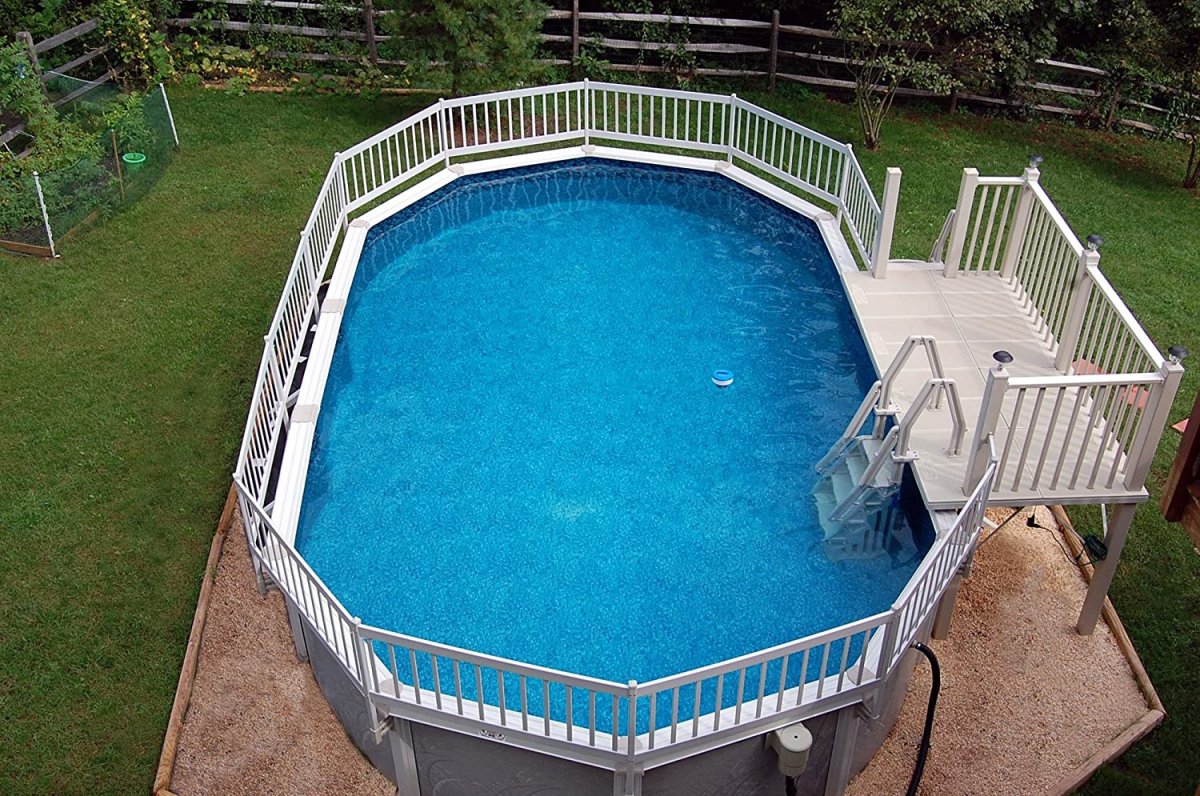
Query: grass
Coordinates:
[129,364]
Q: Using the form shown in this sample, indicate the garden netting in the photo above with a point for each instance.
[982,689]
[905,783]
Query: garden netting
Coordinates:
[131,147]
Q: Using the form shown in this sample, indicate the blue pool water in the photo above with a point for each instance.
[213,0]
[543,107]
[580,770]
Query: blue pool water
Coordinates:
[521,449]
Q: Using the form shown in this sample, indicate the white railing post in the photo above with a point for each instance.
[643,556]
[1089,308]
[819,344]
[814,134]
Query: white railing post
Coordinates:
[1081,293]
[733,129]
[170,116]
[890,631]
[962,219]
[443,129]
[344,185]
[1154,420]
[989,419]
[587,112]
[1016,237]
[843,181]
[37,184]
[631,728]
[882,251]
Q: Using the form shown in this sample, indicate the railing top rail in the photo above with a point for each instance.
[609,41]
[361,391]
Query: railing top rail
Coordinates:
[382,135]
[783,121]
[493,661]
[661,92]
[294,554]
[780,650]
[1118,304]
[1084,380]
[857,167]
[480,99]
[1013,181]
[1057,218]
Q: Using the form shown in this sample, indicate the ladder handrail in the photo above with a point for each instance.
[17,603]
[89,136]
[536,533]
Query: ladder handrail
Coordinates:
[926,341]
[856,424]
[957,432]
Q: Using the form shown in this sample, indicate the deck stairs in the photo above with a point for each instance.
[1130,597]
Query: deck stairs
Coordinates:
[857,493]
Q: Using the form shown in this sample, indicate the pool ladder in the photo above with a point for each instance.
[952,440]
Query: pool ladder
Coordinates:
[857,493]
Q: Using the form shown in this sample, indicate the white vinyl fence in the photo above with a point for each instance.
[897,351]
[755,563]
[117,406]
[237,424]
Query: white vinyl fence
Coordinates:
[586,719]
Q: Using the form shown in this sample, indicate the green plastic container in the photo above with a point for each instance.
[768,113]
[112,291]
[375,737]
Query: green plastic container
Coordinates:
[133,161]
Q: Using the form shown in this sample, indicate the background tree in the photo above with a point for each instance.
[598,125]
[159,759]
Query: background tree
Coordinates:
[1178,64]
[925,45]
[468,45]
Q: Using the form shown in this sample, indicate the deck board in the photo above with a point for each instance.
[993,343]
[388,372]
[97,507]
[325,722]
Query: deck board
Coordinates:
[971,316]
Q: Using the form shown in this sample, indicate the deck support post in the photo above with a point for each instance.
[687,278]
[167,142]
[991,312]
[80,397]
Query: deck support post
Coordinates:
[1081,294]
[841,759]
[404,758]
[989,420]
[1093,603]
[1020,227]
[887,223]
[945,609]
[296,622]
[962,219]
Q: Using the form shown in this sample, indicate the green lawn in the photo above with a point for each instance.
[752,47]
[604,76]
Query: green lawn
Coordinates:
[129,362]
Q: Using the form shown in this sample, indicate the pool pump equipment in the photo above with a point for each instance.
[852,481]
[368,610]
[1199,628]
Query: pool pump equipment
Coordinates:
[792,744]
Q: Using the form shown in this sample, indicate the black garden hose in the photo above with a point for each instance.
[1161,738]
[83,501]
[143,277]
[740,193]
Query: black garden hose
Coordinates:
[789,786]
[935,687]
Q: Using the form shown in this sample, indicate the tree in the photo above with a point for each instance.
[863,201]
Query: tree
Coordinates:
[1179,64]
[478,44]
[925,45]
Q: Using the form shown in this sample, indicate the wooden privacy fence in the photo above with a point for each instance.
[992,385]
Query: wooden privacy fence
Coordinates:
[689,46]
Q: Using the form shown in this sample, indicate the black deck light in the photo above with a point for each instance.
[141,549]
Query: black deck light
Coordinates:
[1002,358]
[1176,353]
[1036,160]
[1094,242]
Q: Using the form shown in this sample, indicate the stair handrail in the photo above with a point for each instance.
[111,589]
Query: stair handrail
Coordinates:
[855,425]
[868,477]
[939,245]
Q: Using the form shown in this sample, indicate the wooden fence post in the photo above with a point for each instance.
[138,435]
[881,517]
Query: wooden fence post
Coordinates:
[773,58]
[25,37]
[574,30]
[369,19]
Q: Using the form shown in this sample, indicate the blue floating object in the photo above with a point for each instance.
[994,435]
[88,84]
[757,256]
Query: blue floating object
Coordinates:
[722,378]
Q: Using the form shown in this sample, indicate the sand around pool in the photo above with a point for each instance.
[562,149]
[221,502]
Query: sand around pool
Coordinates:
[1025,700]
[257,722]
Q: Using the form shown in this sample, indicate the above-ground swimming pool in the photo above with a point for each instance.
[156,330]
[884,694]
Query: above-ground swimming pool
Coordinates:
[521,448]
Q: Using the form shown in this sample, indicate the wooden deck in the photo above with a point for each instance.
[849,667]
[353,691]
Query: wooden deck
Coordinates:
[971,317]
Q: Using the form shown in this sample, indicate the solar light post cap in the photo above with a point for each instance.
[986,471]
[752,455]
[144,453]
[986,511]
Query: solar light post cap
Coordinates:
[1002,358]
[1094,242]
[1177,353]
[1036,160]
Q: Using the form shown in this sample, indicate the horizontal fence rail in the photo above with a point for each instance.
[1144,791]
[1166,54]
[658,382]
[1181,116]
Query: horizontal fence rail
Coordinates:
[587,719]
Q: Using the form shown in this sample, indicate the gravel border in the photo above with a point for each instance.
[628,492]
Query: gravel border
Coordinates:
[258,723]
[1026,702]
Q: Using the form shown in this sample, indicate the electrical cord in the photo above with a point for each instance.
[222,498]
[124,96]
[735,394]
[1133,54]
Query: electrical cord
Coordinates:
[934,689]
